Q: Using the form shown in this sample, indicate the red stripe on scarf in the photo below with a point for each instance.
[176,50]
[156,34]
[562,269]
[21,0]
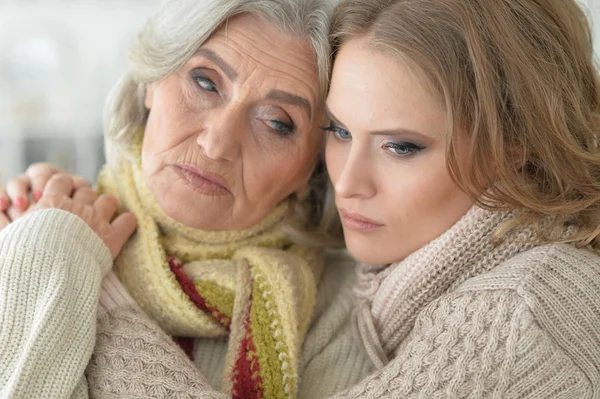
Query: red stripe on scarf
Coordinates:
[247,382]
[190,289]
[187,345]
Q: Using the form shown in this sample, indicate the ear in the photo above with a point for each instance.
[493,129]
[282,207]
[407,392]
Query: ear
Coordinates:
[149,97]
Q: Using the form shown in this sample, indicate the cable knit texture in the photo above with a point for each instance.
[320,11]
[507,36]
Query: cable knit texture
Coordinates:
[135,359]
[392,296]
[514,320]
[466,317]
[51,268]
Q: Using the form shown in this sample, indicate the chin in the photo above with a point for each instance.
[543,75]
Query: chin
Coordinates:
[365,252]
[191,215]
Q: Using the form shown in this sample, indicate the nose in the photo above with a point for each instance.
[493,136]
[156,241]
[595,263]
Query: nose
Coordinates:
[356,178]
[223,133]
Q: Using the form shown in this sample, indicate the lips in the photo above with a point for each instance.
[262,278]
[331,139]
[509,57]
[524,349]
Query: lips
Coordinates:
[358,222]
[201,181]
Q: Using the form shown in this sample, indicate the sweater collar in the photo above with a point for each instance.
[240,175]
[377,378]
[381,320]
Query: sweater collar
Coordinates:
[391,296]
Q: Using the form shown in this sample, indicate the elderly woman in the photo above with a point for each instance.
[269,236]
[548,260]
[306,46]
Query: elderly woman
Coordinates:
[212,140]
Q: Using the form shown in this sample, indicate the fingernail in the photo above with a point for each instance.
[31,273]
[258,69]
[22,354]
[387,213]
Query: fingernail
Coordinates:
[37,195]
[21,203]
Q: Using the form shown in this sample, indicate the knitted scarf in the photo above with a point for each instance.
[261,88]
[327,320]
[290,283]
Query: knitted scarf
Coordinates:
[391,296]
[253,285]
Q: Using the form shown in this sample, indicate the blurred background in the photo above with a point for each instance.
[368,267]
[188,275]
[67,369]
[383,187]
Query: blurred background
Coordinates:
[58,61]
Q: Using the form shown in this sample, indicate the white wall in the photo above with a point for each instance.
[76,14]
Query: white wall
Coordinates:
[593,9]
[58,61]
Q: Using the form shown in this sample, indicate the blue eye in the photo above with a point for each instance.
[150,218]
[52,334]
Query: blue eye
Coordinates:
[205,83]
[403,148]
[281,128]
[338,132]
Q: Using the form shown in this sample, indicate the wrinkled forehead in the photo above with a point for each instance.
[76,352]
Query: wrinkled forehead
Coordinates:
[253,51]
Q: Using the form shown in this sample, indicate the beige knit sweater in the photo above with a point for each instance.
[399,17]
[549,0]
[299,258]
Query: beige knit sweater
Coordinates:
[51,268]
[459,318]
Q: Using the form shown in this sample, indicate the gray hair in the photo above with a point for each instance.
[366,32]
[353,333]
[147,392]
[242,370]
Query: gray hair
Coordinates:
[173,35]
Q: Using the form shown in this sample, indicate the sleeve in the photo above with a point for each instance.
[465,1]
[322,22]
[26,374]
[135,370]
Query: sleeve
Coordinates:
[51,266]
[476,344]
[135,359]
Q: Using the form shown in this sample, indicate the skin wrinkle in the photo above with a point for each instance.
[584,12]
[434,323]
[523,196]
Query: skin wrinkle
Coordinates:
[298,55]
[228,132]
[220,62]
[250,44]
[243,55]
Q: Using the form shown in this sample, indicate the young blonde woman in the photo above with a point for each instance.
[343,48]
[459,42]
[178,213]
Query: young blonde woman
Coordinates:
[213,145]
[463,149]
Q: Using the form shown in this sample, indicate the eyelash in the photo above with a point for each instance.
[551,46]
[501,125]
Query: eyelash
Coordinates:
[398,148]
[280,128]
[409,148]
[200,80]
[336,131]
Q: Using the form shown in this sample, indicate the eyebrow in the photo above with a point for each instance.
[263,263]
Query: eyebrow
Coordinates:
[386,132]
[292,99]
[221,63]
[332,117]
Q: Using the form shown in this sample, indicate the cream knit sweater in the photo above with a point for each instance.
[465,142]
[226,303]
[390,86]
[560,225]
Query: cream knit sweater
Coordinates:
[51,268]
[459,318]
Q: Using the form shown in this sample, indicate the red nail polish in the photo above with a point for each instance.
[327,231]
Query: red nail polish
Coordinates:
[37,195]
[21,203]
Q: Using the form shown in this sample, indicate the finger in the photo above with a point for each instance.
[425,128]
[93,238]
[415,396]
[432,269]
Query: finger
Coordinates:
[81,182]
[18,191]
[13,213]
[39,173]
[106,206]
[4,200]
[85,195]
[59,183]
[4,220]
[124,225]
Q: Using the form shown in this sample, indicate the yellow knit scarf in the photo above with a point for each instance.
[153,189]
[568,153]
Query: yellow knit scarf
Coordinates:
[254,285]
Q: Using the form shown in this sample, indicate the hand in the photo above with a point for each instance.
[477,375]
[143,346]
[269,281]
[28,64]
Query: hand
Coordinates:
[96,211]
[26,189]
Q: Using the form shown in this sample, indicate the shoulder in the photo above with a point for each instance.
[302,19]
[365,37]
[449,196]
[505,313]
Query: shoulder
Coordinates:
[545,274]
[559,286]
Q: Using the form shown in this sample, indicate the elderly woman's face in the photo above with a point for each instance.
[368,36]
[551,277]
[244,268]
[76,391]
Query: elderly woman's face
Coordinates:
[236,130]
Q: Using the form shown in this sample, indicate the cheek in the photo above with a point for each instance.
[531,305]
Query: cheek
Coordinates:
[277,175]
[427,192]
[334,159]
[154,146]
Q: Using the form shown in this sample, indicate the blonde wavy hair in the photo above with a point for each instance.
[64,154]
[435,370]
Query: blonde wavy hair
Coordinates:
[518,77]
[172,36]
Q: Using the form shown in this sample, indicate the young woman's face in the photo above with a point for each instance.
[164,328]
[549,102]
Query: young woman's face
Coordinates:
[386,157]
[236,130]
